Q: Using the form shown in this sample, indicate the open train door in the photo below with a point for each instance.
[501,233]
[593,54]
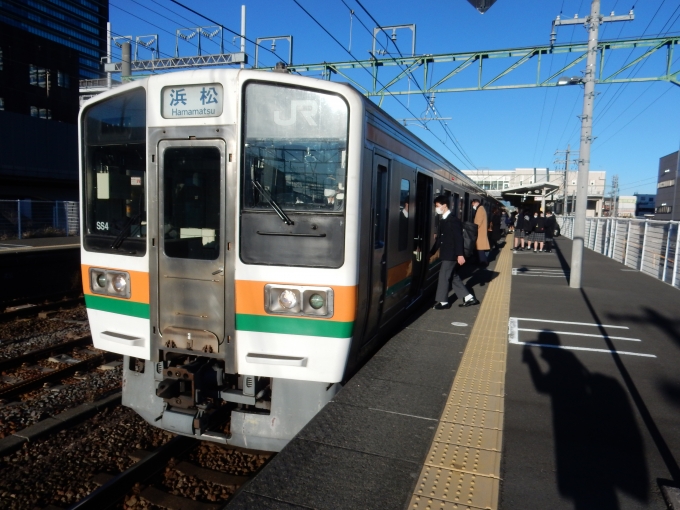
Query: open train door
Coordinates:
[423,218]
[378,274]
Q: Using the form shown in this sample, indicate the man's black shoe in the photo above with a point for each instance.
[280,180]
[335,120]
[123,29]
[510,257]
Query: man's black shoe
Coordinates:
[469,302]
[439,306]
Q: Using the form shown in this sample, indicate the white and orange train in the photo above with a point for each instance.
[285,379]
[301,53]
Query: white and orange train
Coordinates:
[248,237]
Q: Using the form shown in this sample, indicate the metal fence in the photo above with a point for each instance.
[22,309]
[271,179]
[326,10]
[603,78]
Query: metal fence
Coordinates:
[24,219]
[649,246]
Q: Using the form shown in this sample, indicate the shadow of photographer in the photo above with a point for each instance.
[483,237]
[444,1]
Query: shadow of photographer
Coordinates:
[598,445]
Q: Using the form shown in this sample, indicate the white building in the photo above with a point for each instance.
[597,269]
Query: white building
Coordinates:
[496,181]
[626,206]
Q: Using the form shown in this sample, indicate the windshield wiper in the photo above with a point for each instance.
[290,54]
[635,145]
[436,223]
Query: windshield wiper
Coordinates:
[127,228]
[284,217]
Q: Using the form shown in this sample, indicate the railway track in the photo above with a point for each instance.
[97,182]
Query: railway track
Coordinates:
[32,356]
[147,473]
[26,308]
[32,383]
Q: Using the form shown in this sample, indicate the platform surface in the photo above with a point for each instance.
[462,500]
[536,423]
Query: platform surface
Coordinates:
[39,244]
[548,398]
[591,421]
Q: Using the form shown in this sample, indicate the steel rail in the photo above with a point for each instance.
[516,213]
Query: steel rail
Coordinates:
[41,353]
[34,382]
[115,489]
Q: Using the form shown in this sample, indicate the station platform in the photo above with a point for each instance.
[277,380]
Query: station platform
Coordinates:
[39,244]
[543,397]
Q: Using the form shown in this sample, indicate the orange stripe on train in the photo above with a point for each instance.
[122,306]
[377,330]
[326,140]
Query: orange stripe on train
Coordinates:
[250,299]
[398,273]
[139,283]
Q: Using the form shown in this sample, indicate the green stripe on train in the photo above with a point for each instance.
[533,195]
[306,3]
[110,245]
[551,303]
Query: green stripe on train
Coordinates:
[293,326]
[121,307]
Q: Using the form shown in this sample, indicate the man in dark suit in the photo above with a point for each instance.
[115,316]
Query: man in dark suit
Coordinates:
[449,242]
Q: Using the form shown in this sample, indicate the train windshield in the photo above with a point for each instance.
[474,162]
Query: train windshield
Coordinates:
[295,150]
[114,180]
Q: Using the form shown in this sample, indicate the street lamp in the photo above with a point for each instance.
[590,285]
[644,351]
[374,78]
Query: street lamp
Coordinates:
[566,80]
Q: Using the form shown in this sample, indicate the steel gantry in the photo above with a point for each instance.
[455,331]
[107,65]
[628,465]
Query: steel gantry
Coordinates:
[458,62]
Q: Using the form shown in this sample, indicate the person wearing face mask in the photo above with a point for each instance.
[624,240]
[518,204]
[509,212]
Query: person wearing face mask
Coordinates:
[482,223]
[537,235]
[449,242]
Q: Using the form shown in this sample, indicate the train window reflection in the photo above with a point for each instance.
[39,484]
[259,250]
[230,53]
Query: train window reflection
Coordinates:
[295,149]
[191,207]
[114,183]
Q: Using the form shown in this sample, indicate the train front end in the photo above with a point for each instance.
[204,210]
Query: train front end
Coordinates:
[219,247]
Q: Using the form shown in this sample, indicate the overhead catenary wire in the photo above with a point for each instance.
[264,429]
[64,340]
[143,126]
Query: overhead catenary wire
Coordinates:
[320,25]
[429,105]
[225,28]
[445,127]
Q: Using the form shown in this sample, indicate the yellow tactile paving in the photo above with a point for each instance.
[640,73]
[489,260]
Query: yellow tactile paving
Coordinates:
[462,468]
[479,437]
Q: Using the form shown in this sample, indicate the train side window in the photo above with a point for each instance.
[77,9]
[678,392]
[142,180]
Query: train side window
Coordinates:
[404,194]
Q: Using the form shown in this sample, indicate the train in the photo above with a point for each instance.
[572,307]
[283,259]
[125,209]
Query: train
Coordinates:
[249,238]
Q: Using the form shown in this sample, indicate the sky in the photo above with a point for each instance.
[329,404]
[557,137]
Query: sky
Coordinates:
[635,124]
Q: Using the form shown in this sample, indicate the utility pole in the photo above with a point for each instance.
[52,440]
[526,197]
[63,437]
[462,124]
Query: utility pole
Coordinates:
[592,23]
[566,161]
[614,209]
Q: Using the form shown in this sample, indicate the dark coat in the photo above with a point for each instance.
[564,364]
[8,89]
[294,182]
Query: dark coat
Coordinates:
[538,224]
[550,226]
[495,234]
[449,238]
[520,222]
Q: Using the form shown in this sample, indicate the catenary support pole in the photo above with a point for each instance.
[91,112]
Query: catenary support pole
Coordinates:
[584,150]
[566,178]
[126,69]
[108,52]
[243,34]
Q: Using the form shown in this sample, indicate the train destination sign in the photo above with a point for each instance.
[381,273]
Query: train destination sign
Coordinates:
[189,101]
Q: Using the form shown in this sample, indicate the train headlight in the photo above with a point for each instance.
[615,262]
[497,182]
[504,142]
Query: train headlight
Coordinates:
[288,299]
[119,283]
[316,301]
[108,282]
[101,280]
[298,300]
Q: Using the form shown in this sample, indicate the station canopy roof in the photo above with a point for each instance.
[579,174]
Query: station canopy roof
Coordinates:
[531,189]
[515,195]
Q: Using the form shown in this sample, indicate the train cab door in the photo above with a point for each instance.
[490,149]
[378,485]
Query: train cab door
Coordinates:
[423,218]
[378,261]
[191,251]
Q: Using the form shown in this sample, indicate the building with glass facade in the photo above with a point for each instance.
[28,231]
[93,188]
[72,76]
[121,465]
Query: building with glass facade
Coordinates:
[76,24]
